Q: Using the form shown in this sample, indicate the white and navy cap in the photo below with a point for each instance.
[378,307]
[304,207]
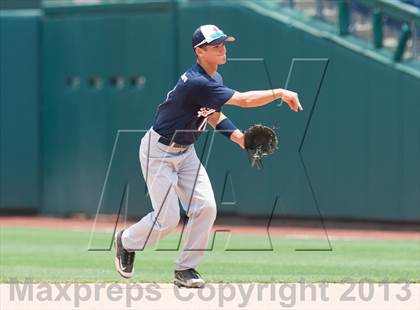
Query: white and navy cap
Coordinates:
[209,34]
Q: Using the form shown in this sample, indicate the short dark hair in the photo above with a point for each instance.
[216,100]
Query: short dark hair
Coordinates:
[204,46]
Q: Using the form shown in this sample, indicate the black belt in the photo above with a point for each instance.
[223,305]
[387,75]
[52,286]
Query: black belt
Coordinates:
[168,142]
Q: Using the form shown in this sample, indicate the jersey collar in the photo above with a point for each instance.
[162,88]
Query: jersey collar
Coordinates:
[201,70]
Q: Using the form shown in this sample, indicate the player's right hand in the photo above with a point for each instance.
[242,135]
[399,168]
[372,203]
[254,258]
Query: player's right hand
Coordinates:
[292,100]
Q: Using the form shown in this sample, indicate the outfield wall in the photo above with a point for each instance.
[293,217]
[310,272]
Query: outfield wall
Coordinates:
[20,75]
[107,67]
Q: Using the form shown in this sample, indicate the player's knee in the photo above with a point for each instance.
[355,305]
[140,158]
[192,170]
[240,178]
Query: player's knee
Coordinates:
[209,211]
[169,222]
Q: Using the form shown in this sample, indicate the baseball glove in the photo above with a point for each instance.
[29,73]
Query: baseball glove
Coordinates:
[260,141]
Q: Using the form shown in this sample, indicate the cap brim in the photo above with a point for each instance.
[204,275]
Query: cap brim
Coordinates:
[222,39]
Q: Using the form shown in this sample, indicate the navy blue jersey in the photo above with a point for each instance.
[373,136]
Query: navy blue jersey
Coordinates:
[188,105]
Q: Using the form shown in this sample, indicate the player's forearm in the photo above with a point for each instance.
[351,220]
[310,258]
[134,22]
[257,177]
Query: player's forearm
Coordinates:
[223,125]
[215,118]
[257,98]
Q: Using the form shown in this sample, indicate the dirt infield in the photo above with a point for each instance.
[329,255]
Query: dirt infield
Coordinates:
[287,228]
[213,296]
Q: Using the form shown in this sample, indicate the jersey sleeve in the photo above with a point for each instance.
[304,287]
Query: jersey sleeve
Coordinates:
[210,94]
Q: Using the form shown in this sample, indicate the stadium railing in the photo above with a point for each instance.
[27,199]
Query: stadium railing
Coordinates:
[388,24]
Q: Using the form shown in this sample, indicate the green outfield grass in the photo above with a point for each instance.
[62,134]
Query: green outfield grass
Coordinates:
[61,255]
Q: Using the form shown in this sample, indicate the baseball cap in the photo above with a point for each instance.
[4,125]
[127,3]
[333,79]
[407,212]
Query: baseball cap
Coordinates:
[211,35]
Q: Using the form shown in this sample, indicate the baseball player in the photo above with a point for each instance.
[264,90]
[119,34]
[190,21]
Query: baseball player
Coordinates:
[169,162]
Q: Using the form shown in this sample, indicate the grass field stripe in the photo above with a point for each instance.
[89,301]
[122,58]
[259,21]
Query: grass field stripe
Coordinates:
[395,260]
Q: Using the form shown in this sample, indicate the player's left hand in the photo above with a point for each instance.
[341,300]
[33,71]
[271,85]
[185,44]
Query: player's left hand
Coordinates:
[239,138]
[292,99]
[260,141]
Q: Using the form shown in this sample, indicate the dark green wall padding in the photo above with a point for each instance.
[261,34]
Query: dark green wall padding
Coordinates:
[361,151]
[19,4]
[19,110]
[81,120]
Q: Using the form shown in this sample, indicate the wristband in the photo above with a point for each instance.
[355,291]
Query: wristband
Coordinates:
[226,127]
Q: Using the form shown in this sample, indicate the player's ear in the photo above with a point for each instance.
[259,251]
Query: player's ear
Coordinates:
[198,51]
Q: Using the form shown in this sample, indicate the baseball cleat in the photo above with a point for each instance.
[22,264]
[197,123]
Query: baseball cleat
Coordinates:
[188,278]
[124,260]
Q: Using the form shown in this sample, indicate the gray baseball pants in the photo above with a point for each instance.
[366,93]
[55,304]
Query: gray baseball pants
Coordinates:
[171,174]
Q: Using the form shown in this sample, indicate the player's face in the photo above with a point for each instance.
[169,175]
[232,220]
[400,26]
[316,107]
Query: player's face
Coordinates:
[216,54]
